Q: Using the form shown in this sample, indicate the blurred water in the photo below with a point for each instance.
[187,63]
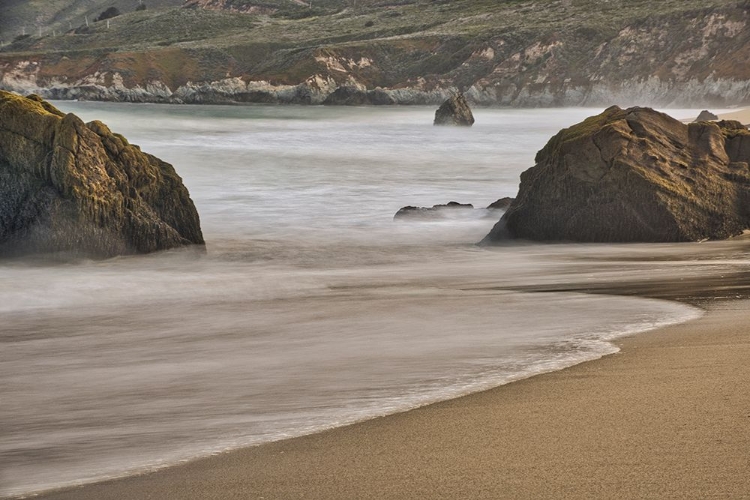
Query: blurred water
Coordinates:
[313,308]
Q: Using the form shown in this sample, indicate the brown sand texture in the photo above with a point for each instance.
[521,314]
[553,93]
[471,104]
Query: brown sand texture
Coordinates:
[666,417]
[741,115]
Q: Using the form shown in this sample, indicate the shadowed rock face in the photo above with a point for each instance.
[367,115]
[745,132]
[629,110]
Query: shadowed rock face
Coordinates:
[352,96]
[706,116]
[634,175]
[454,111]
[435,211]
[77,188]
[501,204]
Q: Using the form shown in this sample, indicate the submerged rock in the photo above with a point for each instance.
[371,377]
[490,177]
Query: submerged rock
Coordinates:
[501,204]
[454,111]
[634,175]
[706,116]
[435,211]
[77,188]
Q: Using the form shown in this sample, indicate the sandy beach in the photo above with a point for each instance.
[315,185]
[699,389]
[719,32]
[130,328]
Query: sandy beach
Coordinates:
[741,115]
[666,417]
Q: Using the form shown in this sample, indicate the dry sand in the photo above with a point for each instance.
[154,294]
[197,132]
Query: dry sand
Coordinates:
[667,417]
[741,115]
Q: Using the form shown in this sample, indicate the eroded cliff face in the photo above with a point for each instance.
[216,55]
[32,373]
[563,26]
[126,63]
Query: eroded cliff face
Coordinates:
[79,189]
[325,87]
[634,175]
[677,60]
[690,57]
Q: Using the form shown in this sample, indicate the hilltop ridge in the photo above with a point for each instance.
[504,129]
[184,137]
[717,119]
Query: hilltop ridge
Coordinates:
[504,53]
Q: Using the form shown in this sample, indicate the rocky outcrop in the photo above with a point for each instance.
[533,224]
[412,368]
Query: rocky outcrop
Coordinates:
[353,96]
[454,111]
[80,189]
[706,116]
[433,212]
[634,175]
[501,204]
[111,87]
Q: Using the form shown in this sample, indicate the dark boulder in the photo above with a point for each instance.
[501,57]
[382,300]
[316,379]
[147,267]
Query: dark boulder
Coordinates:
[77,188]
[501,204]
[380,97]
[454,111]
[706,116]
[353,96]
[108,14]
[433,212]
[346,96]
[634,175]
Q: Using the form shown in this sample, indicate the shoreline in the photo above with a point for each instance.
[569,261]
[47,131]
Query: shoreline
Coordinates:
[405,455]
[430,99]
[741,115]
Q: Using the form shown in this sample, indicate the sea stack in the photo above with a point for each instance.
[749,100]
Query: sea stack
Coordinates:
[454,111]
[634,175]
[706,116]
[79,189]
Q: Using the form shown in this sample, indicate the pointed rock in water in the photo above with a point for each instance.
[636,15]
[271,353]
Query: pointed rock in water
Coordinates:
[454,111]
[706,116]
[79,189]
[634,175]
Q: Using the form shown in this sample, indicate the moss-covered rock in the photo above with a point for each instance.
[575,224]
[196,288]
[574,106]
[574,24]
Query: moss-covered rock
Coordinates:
[77,188]
[634,175]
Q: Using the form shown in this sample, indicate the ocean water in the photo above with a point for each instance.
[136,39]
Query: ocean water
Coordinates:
[313,308]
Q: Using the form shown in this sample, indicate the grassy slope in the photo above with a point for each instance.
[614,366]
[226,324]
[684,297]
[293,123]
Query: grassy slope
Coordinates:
[333,21]
[408,38]
[60,15]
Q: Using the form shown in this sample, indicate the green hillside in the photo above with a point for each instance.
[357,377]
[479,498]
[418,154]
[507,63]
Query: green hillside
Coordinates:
[505,50]
[19,16]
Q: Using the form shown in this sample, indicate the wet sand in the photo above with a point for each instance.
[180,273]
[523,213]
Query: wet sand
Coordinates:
[667,417]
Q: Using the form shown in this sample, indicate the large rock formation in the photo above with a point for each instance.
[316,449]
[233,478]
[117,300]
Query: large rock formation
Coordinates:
[634,175]
[454,111]
[77,188]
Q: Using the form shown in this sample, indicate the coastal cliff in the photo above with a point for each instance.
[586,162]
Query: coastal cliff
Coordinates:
[672,53]
[77,188]
[634,175]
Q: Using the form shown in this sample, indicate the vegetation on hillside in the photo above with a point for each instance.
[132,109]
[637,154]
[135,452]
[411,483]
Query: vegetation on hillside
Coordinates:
[304,22]
[503,45]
